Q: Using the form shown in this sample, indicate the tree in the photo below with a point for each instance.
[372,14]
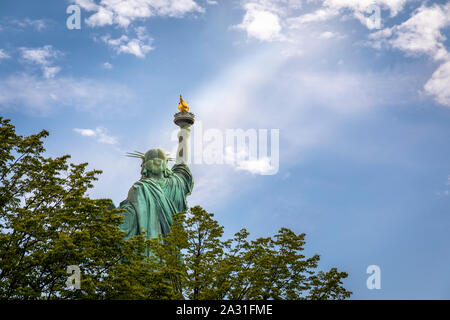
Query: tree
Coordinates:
[264,268]
[47,223]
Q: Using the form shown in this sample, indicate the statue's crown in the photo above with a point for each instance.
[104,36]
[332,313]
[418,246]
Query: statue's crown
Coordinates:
[152,153]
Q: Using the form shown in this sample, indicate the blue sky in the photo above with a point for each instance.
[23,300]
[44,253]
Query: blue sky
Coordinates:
[362,107]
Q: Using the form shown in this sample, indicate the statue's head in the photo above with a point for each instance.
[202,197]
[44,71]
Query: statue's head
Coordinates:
[155,162]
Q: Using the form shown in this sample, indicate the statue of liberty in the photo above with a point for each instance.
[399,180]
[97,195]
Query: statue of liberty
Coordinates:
[161,192]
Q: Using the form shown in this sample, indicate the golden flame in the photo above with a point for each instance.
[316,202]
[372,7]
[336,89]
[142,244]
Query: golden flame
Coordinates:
[183,106]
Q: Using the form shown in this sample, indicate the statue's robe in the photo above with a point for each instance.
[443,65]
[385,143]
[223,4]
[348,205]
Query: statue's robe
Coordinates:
[151,203]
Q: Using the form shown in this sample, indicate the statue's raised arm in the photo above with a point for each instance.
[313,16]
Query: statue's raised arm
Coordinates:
[161,192]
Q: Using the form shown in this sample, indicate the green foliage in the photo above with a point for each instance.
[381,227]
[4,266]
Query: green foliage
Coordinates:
[266,268]
[47,222]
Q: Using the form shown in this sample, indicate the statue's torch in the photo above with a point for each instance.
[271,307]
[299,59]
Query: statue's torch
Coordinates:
[184,119]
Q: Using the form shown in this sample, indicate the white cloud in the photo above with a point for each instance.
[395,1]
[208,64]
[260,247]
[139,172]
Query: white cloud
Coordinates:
[316,16]
[242,161]
[4,55]
[280,7]
[328,35]
[212,2]
[50,72]
[264,19]
[420,34]
[439,84]
[100,134]
[107,65]
[359,9]
[88,5]
[257,166]
[85,132]
[31,94]
[260,24]
[124,12]
[37,24]
[101,18]
[270,20]
[43,57]
[138,46]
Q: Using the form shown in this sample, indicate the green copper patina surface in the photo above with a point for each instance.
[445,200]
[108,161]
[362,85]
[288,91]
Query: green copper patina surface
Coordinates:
[161,192]
[158,195]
